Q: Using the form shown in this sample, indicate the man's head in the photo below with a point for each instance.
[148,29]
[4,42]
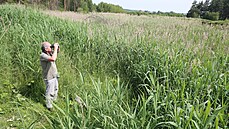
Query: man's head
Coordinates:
[46,47]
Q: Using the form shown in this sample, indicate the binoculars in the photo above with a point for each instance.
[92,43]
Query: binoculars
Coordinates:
[52,46]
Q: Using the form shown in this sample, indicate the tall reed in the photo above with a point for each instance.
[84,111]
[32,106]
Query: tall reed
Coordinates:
[132,72]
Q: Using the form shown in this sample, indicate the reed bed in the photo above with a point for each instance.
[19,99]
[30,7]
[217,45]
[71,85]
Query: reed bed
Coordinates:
[131,71]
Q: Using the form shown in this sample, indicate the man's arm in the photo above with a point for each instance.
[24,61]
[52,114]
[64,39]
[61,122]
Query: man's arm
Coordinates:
[54,55]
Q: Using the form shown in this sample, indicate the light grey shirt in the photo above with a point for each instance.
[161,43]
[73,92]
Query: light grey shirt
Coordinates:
[49,69]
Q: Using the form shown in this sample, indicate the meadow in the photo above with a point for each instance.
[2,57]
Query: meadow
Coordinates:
[131,71]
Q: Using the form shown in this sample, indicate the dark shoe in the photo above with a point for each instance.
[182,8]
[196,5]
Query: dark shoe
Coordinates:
[50,109]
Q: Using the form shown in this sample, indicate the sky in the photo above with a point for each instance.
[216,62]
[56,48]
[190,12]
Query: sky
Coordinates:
[178,6]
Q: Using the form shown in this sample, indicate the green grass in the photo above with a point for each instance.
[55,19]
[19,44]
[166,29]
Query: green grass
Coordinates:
[132,72]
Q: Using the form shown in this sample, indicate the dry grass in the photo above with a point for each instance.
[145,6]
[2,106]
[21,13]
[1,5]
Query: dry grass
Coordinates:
[81,16]
[158,28]
[67,15]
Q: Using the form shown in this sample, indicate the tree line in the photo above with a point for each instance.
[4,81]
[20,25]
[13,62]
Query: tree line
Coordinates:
[87,6]
[140,12]
[210,9]
[70,5]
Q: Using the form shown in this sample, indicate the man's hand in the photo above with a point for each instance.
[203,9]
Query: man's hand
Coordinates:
[54,54]
[56,47]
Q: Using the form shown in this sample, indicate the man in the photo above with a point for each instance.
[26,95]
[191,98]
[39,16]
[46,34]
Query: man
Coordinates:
[49,70]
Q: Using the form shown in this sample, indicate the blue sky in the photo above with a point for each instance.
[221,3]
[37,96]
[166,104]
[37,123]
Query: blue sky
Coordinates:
[178,6]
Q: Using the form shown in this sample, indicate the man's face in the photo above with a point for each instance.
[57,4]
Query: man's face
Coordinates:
[48,48]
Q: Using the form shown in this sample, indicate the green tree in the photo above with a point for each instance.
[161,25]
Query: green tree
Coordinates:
[105,7]
[194,11]
[90,5]
[94,7]
[225,13]
[205,8]
[211,16]
[217,6]
[210,9]
[85,7]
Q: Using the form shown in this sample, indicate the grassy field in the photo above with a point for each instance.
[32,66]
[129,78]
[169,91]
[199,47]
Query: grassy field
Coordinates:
[131,71]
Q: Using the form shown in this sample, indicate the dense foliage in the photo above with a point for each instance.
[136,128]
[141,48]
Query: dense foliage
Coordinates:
[87,6]
[71,5]
[104,7]
[131,71]
[172,14]
[212,10]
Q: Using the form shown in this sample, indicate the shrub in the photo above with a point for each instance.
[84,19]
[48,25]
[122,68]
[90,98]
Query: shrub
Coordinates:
[211,16]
